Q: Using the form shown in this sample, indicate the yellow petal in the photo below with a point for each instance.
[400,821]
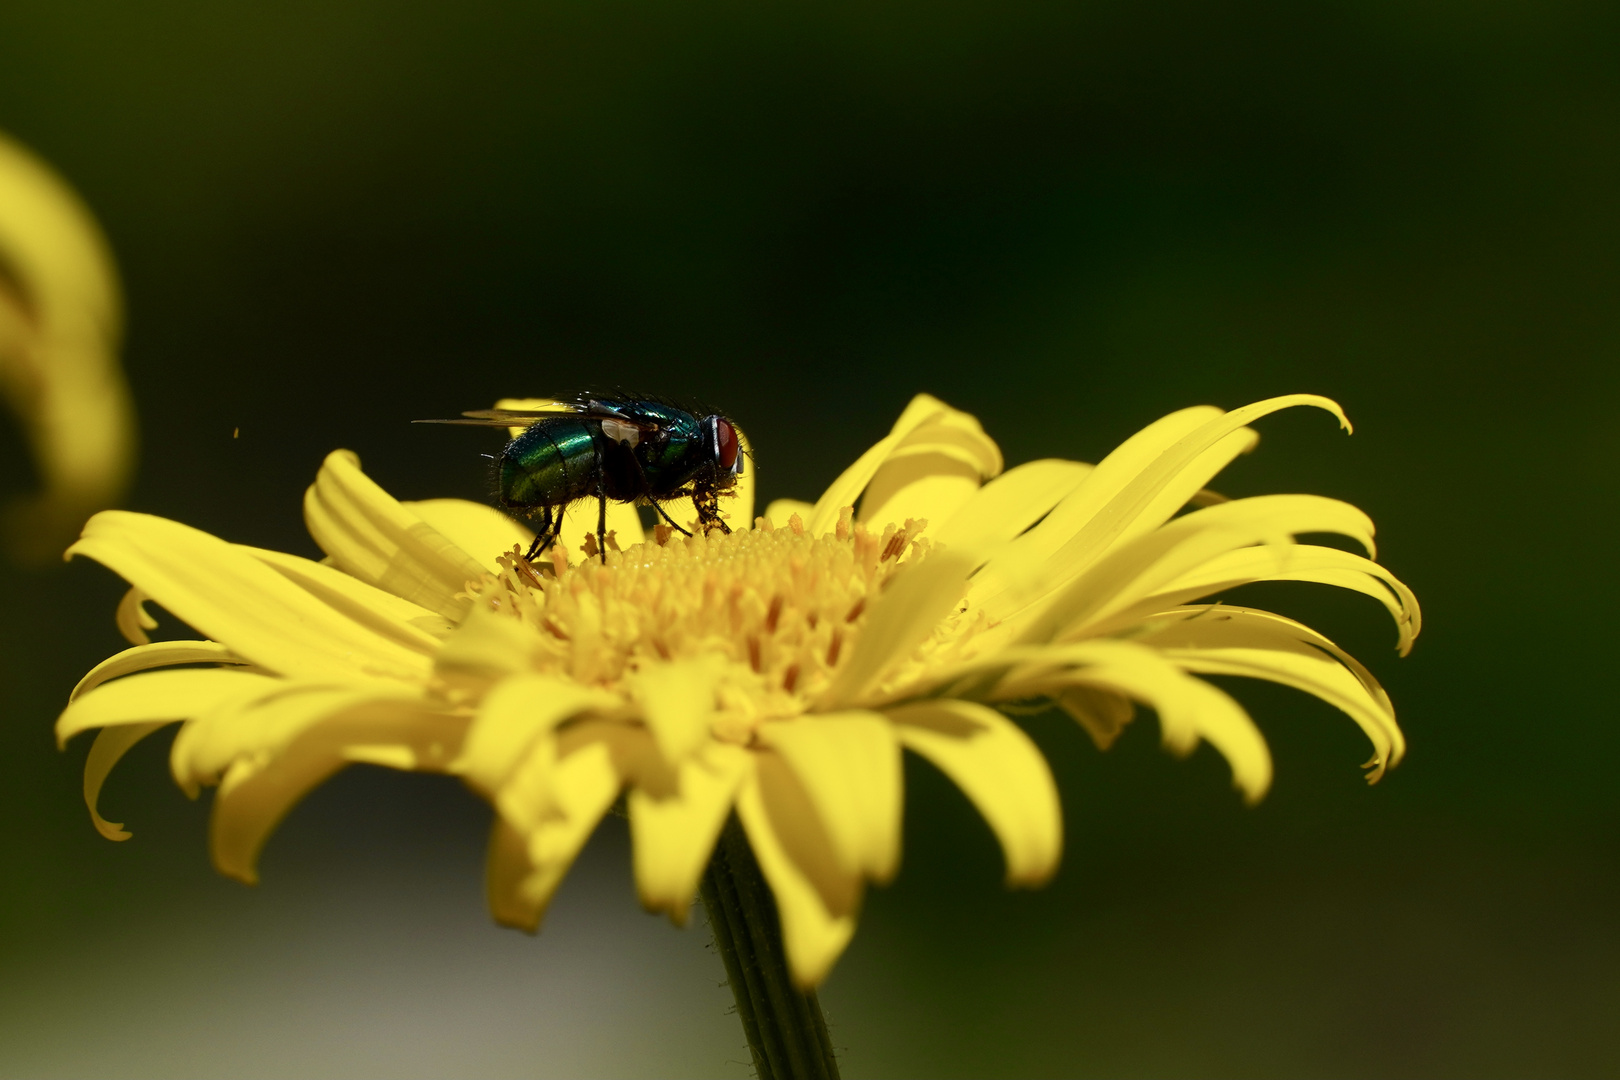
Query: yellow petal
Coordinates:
[781,510]
[1130,493]
[594,760]
[252,800]
[674,836]
[111,744]
[1181,487]
[481,531]
[130,709]
[1000,770]
[370,535]
[930,488]
[233,598]
[536,794]
[1008,504]
[343,723]
[509,719]
[385,614]
[677,702]
[1102,713]
[274,750]
[1182,469]
[1025,560]
[489,645]
[507,866]
[157,695]
[1302,562]
[1145,565]
[60,325]
[132,617]
[256,793]
[1188,708]
[848,764]
[900,619]
[951,432]
[524,798]
[154,655]
[815,899]
[923,410]
[1221,640]
[931,471]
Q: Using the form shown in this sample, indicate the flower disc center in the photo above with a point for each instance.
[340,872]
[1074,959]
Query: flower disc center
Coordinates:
[777,608]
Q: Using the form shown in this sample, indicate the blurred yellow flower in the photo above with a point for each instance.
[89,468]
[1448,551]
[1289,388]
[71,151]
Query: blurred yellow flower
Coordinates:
[60,322]
[777,671]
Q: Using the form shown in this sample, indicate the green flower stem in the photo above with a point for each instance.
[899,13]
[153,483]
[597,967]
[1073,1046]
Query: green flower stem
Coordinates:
[786,1030]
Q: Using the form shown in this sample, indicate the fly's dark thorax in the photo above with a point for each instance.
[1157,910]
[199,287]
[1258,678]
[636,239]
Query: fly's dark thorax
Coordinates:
[671,464]
[623,474]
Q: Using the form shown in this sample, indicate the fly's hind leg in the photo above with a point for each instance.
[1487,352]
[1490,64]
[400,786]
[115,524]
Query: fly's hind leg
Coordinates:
[601,506]
[543,536]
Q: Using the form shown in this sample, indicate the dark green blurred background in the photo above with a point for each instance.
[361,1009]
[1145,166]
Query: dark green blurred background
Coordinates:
[1069,218]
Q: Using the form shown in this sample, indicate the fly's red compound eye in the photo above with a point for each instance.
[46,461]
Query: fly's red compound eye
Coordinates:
[725,443]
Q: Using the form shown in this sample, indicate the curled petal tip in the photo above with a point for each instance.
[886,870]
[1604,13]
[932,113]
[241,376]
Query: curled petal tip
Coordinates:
[1337,410]
[1253,788]
[529,925]
[1030,879]
[246,875]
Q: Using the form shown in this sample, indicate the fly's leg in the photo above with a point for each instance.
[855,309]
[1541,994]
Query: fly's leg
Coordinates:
[708,511]
[641,474]
[543,536]
[665,515]
[601,506]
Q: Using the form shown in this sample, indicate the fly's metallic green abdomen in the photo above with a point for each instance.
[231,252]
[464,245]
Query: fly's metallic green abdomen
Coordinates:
[552,463]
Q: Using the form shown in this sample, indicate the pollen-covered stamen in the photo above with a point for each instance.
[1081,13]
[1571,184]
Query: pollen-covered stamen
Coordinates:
[784,608]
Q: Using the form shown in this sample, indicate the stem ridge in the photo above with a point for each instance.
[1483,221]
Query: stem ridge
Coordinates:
[785,1027]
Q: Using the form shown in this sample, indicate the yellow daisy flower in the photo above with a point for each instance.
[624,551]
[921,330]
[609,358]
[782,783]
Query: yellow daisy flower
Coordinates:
[60,321]
[775,673]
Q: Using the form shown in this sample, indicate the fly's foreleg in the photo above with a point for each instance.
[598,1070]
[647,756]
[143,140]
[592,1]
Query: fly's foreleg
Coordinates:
[708,511]
[665,515]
